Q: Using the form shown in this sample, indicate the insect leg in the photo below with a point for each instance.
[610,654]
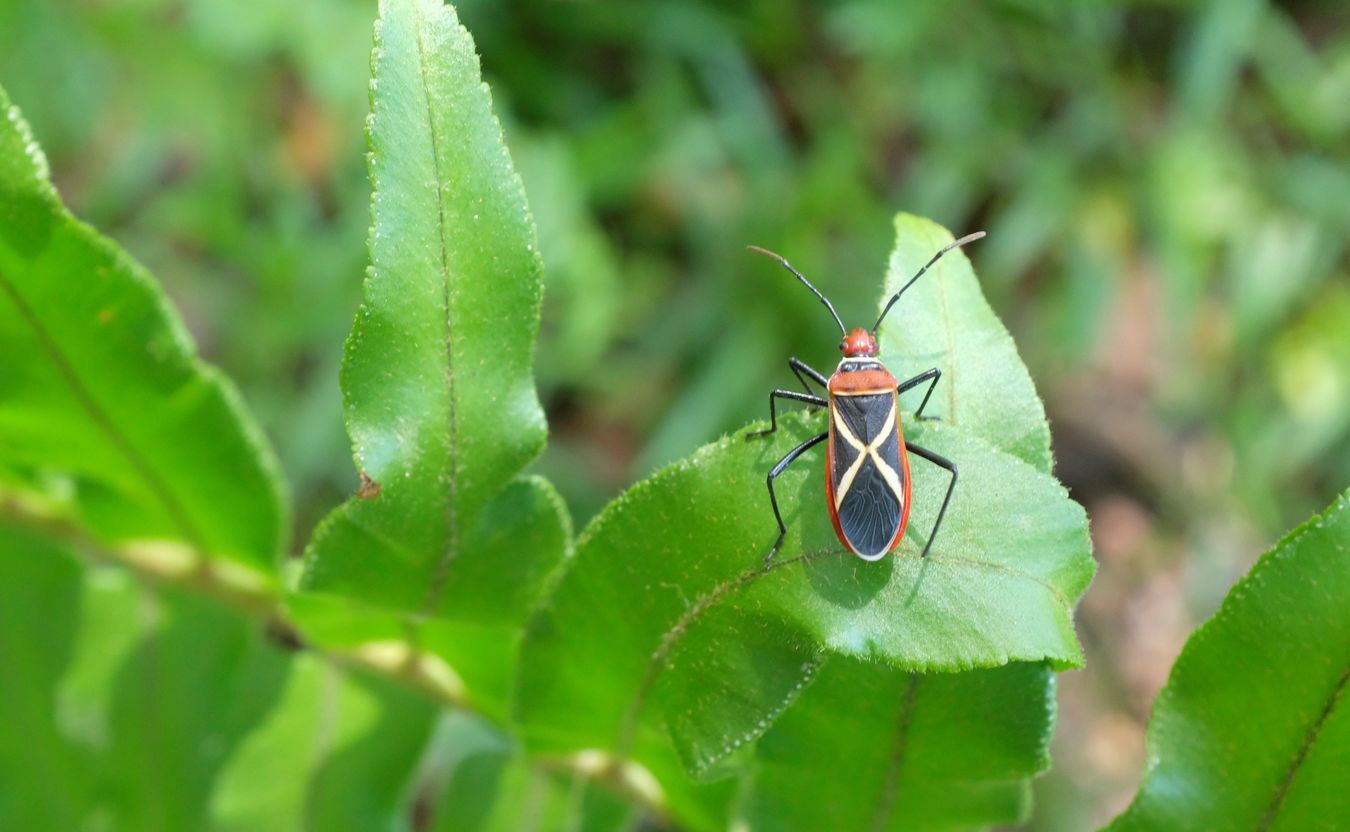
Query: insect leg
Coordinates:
[798,367]
[931,376]
[941,462]
[815,401]
[773,500]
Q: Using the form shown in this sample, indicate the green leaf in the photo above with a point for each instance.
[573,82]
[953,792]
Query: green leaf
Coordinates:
[666,627]
[440,402]
[909,751]
[114,615]
[446,546]
[107,415]
[1252,730]
[264,784]
[489,786]
[140,710]
[43,783]
[669,580]
[337,752]
[466,652]
[196,683]
[120,703]
[944,321]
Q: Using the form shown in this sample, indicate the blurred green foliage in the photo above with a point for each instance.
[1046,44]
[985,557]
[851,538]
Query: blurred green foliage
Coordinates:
[1166,187]
[1191,154]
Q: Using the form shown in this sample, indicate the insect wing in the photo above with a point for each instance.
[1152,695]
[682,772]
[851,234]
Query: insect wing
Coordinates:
[868,477]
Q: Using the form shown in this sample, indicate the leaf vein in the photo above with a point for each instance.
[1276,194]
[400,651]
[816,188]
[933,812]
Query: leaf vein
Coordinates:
[671,638]
[1009,570]
[452,416]
[1308,739]
[891,791]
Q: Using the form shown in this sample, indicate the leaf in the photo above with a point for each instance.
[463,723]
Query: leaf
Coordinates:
[491,787]
[667,579]
[338,751]
[134,710]
[906,751]
[264,785]
[107,415]
[944,321]
[666,628]
[466,653]
[114,613]
[196,683]
[42,782]
[440,403]
[120,703]
[500,563]
[1252,730]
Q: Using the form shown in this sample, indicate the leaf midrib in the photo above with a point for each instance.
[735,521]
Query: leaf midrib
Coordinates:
[890,792]
[451,546]
[1309,738]
[158,485]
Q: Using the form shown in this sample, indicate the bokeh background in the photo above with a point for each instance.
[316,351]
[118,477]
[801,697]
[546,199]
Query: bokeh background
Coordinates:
[1166,187]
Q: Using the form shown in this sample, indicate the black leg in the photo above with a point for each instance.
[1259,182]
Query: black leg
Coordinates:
[778,469]
[798,367]
[941,462]
[933,374]
[815,401]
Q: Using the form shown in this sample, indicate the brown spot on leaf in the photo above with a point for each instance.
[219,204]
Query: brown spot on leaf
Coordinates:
[369,489]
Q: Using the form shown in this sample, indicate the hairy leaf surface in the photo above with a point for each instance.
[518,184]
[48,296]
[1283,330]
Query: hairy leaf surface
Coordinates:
[655,627]
[440,401]
[667,624]
[445,546]
[467,650]
[907,751]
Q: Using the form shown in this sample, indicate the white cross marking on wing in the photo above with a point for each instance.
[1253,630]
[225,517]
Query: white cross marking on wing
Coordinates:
[864,451]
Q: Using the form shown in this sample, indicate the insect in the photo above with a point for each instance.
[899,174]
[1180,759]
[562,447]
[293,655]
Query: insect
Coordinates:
[867,481]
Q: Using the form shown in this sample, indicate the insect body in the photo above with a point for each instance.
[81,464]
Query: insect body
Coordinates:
[867,483]
[866,469]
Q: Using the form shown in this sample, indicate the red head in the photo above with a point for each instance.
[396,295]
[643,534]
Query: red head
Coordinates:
[859,343]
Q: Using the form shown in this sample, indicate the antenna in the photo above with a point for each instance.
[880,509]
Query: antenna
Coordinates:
[969,238]
[788,266]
